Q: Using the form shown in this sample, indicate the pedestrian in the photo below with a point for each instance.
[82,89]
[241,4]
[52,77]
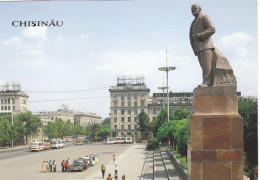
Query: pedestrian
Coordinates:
[109,177]
[85,165]
[44,166]
[116,178]
[66,166]
[62,165]
[47,166]
[123,177]
[116,170]
[103,170]
[114,158]
[50,165]
[54,166]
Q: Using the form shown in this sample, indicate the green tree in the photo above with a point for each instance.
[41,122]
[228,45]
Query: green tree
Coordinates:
[51,130]
[5,131]
[162,134]
[32,123]
[106,121]
[67,128]
[181,134]
[143,123]
[182,113]
[60,125]
[77,130]
[19,131]
[248,109]
[159,120]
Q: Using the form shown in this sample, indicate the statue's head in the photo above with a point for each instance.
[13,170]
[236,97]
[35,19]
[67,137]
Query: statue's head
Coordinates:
[195,9]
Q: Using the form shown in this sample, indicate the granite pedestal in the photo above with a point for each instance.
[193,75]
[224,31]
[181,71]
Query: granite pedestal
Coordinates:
[215,135]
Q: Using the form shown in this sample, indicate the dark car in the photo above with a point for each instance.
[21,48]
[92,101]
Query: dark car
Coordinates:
[77,165]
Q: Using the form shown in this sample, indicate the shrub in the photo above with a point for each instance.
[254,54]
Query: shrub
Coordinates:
[152,144]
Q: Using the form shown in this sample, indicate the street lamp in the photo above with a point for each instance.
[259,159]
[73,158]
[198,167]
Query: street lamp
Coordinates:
[167,69]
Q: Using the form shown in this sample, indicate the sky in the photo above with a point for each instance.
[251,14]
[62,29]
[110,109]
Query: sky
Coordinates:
[77,63]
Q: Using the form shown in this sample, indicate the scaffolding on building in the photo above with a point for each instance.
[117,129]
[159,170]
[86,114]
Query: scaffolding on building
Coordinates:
[123,80]
[10,87]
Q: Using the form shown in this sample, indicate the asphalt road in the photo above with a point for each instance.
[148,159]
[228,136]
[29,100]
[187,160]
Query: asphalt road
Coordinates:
[24,165]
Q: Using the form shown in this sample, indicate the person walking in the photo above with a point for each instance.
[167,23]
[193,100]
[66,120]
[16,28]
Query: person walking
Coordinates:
[54,166]
[103,170]
[86,165]
[62,165]
[116,178]
[116,170]
[50,165]
[66,166]
[123,177]
[47,166]
[44,166]
[114,158]
[109,177]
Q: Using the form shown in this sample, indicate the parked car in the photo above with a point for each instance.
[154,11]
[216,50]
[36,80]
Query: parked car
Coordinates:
[47,146]
[36,146]
[77,165]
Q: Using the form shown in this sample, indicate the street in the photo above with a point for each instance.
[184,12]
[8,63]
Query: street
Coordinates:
[129,158]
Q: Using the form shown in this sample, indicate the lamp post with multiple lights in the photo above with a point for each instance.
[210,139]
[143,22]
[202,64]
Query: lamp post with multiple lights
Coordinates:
[167,69]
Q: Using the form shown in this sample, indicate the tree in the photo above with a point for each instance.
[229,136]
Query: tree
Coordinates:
[19,131]
[248,109]
[143,123]
[5,131]
[51,130]
[159,120]
[106,121]
[182,113]
[32,123]
[67,128]
[181,134]
[60,125]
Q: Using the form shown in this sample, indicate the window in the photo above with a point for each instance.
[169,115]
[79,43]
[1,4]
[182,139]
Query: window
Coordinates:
[13,108]
[2,101]
[129,111]
[122,111]
[9,101]
[129,127]
[135,111]
[154,111]
[122,119]
[115,96]
[142,103]
[115,111]
[135,104]
[135,126]
[122,98]
[122,127]
[115,103]
[9,108]
[115,119]
[2,108]
[5,100]
[128,97]
[129,104]
[122,103]
[142,110]
[135,119]
[129,119]
[115,126]
[135,97]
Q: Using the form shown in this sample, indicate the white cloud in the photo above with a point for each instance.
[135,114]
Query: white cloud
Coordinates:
[13,41]
[35,32]
[84,36]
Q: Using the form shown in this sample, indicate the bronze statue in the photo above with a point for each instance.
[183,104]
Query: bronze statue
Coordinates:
[216,70]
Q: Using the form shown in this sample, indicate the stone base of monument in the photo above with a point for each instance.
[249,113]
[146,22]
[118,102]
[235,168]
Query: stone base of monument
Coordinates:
[215,135]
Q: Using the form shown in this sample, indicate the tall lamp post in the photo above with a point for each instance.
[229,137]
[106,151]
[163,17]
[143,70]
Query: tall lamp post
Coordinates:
[167,69]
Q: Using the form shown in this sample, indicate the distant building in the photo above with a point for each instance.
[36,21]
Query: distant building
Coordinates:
[128,99]
[86,119]
[12,99]
[64,113]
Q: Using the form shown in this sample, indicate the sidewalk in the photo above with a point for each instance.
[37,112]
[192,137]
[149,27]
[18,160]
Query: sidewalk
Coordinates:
[129,163]
[14,148]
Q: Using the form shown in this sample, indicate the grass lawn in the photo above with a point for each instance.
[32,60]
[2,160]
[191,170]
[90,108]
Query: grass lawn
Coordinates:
[182,159]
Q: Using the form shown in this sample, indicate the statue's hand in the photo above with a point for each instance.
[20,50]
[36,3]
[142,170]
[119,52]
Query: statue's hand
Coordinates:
[197,36]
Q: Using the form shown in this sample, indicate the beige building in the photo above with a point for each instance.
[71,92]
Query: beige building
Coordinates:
[128,99]
[64,113]
[85,119]
[12,99]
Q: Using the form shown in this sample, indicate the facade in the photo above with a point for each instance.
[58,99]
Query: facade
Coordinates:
[128,99]
[12,99]
[64,113]
[85,119]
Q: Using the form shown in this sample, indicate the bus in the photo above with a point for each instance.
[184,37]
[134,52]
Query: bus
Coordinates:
[36,146]
[119,140]
[57,143]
